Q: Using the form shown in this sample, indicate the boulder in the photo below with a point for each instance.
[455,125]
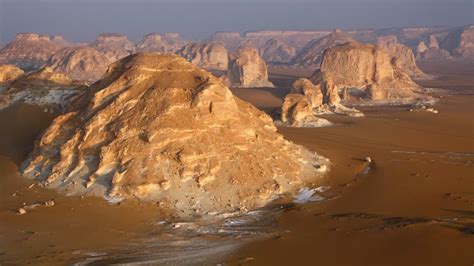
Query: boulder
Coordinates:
[247,69]
[212,56]
[160,129]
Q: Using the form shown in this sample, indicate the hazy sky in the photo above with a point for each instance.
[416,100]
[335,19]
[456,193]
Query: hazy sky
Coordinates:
[81,20]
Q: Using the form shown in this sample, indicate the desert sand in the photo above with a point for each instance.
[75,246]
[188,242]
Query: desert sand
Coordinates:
[412,204]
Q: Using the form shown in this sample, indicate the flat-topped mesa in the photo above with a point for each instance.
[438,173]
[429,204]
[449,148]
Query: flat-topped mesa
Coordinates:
[247,69]
[211,56]
[356,73]
[42,88]
[29,51]
[401,55]
[311,54]
[276,51]
[158,128]
[113,45]
[294,38]
[174,40]
[80,63]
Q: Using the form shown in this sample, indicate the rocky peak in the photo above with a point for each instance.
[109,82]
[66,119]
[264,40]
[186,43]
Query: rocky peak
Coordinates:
[158,128]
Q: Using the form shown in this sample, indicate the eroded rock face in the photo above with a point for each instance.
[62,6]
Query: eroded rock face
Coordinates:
[212,56]
[434,53]
[80,63]
[29,51]
[247,69]
[311,55]
[277,51]
[158,128]
[42,88]
[460,42]
[401,55]
[154,42]
[114,46]
[306,100]
[358,73]
[9,73]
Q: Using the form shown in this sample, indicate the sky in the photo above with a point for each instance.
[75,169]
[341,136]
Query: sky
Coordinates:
[82,20]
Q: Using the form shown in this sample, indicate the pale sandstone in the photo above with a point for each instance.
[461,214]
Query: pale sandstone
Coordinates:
[276,51]
[247,69]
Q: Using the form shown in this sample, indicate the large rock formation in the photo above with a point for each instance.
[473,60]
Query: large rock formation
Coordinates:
[247,69]
[154,42]
[114,46]
[42,88]
[460,42]
[311,55]
[80,63]
[401,55]
[212,56]
[158,128]
[276,51]
[365,73]
[30,51]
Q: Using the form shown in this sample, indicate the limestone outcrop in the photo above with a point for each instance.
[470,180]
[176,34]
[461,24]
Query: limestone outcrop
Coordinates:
[247,69]
[401,55]
[306,100]
[9,73]
[42,88]
[113,45]
[311,55]
[211,56]
[158,128]
[80,63]
[30,51]
[365,74]
[276,51]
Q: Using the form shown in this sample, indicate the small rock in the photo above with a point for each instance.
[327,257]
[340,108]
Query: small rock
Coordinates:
[368,159]
[21,211]
[31,186]
[14,195]
[49,203]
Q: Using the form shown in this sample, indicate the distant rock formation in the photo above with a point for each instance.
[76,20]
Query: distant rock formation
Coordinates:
[30,51]
[421,47]
[247,69]
[80,63]
[161,129]
[401,55]
[460,42]
[434,53]
[9,73]
[114,46]
[276,51]
[212,56]
[42,88]
[154,42]
[311,55]
[365,73]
